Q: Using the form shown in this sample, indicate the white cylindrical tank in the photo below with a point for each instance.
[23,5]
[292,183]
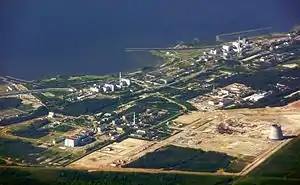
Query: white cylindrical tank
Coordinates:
[276,132]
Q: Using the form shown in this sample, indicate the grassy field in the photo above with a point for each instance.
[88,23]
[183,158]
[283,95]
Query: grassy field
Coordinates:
[63,128]
[284,164]
[158,103]
[18,149]
[6,103]
[187,54]
[10,112]
[3,88]
[59,177]
[282,168]
[32,129]
[266,181]
[173,157]
[89,77]
[88,106]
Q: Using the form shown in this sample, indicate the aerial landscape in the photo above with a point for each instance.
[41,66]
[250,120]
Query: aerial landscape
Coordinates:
[145,93]
[209,109]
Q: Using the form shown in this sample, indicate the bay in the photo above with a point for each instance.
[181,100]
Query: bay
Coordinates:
[43,38]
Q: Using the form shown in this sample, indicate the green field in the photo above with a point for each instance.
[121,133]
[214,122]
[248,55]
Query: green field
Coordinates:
[6,103]
[18,149]
[88,106]
[63,128]
[178,158]
[282,168]
[158,103]
[10,112]
[3,88]
[285,163]
[32,130]
[59,177]
[266,181]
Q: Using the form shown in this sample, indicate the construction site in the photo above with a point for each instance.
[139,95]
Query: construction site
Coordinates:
[113,155]
[243,133]
[239,132]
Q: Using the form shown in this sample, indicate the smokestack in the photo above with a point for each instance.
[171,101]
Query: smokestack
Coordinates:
[276,132]
[134,118]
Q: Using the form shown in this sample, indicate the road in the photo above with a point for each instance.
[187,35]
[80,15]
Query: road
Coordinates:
[169,49]
[34,91]
[118,169]
[172,101]
[14,80]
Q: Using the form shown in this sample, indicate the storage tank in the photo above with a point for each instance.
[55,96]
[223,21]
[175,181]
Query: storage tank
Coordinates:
[276,132]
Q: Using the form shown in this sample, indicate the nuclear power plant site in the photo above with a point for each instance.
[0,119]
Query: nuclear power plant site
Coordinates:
[251,135]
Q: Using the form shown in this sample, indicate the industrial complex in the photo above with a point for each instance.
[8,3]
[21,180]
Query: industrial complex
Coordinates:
[233,99]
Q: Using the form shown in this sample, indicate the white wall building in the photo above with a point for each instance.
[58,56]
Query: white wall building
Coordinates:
[255,97]
[213,51]
[71,142]
[51,114]
[226,48]
[108,87]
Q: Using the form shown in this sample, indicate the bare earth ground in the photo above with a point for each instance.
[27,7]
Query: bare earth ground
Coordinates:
[116,152]
[189,118]
[250,130]
[246,134]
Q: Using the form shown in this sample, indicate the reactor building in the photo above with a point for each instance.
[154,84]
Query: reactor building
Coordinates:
[276,132]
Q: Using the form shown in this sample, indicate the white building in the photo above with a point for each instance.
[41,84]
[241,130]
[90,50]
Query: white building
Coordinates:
[108,87]
[72,142]
[213,51]
[226,48]
[124,82]
[141,132]
[237,46]
[51,115]
[9,88]
[255,97]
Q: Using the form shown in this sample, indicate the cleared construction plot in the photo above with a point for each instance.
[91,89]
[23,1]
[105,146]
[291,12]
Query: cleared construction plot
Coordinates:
[241,132]
[241,135]
[112,155]
[189,118]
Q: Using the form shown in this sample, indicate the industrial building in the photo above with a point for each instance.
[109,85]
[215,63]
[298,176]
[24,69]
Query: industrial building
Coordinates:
[51,115]
[79,139]
[123,81]
[72,142]
[108,87]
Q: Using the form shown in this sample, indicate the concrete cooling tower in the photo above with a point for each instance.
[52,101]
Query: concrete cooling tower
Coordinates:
[276,132]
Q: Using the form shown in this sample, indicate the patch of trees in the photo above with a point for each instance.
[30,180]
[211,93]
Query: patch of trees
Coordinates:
[41,111]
